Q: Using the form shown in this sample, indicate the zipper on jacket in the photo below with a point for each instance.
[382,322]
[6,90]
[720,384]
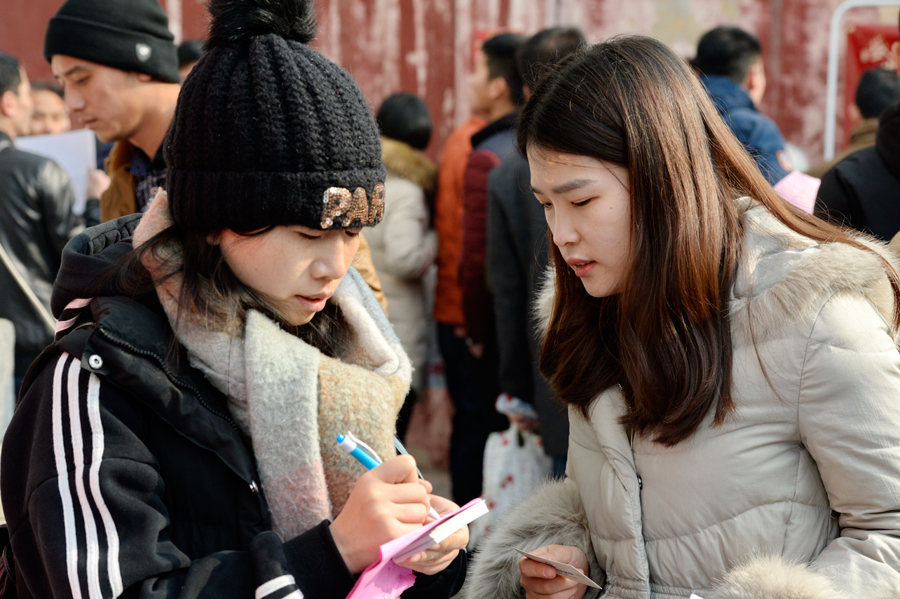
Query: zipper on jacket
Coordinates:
[171,377]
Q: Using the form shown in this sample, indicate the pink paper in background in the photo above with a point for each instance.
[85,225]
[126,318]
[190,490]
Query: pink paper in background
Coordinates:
[386,580]
[800,190]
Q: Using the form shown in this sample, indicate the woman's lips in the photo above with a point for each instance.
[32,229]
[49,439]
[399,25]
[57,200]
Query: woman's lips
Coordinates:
[581,267]
[312,304]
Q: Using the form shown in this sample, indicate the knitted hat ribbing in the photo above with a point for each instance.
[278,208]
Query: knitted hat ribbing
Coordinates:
[131,35]
[268,131]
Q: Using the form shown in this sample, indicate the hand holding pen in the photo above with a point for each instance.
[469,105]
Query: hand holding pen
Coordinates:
[370,459]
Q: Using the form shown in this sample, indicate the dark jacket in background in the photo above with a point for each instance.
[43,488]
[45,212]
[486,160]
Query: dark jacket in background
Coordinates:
[174,507]
[862,136]
[489,147]
[758,133]
[36,221]
[863,189]
[517,257]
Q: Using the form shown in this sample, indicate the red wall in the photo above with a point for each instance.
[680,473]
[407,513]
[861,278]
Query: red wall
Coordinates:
[425,46]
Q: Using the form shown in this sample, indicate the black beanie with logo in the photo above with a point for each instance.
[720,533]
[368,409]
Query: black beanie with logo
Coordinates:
[130,35]
[268,131]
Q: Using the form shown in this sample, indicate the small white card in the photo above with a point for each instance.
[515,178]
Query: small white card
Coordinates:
[695,596]
[565,570]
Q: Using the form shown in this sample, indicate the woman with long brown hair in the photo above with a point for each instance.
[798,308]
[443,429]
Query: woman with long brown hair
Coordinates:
[729,363]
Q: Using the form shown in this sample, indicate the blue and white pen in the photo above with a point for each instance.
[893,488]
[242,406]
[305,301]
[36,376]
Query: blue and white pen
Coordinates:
[357,449]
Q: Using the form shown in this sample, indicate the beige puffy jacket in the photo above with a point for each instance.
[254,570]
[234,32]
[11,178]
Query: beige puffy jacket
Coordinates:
[796,496]
[404,247]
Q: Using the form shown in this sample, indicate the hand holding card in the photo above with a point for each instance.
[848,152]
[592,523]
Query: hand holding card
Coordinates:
[565,570]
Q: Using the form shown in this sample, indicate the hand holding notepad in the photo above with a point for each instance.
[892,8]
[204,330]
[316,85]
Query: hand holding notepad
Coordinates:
[385,579]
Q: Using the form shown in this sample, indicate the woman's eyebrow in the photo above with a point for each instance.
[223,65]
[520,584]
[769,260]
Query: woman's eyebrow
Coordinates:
[566,187]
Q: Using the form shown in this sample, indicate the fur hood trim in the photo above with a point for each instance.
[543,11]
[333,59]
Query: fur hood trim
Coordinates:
[542,309]
[552,514]
[782,276]
[409,163]
[771,577]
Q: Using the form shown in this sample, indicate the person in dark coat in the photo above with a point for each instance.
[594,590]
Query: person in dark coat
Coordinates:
[36,221]
[517,255]
[471,362]
[863,190]
[729,60]
[178,439]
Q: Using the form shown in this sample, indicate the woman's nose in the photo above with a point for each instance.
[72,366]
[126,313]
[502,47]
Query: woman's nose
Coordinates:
[563,230]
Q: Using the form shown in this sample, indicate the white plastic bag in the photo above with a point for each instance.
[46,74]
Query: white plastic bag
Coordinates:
[514,464]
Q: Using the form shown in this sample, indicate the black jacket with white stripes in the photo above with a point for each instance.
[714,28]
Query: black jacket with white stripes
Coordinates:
[123,474]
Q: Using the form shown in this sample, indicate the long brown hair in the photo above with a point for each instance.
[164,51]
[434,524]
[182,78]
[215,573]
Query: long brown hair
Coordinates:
[666,337]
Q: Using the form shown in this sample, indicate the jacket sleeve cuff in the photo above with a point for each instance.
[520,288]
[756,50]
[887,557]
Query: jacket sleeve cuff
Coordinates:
[442,585]
[317,564]
[773,578]
[495,568]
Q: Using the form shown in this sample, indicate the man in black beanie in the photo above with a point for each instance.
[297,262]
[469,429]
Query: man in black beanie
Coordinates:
[117,63]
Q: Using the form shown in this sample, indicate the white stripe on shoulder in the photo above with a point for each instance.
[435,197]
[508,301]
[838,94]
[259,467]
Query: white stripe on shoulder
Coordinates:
[59,453]
[92,545]
[97,447]
[276,584]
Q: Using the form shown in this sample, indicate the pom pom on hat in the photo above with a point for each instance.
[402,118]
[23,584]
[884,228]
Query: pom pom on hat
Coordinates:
[269,132]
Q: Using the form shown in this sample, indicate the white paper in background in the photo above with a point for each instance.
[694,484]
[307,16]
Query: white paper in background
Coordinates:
[74,151]
[694,596]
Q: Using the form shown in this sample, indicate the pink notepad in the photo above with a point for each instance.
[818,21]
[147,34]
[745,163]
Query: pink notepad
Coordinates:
[386,580]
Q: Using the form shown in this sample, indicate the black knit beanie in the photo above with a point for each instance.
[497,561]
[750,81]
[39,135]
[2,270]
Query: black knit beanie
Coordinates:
[130,35]
[268,131]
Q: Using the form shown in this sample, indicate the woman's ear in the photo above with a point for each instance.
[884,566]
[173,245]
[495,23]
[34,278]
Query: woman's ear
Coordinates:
[214,238]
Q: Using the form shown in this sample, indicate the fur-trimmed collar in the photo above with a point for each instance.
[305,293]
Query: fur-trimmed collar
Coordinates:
[781,276]
[404,160]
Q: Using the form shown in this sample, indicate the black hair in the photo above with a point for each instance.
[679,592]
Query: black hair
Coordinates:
[545,49]
[404,116]
[46,86]
[727,52]
[189,51]
[500,55]
[878,89]
[10,74]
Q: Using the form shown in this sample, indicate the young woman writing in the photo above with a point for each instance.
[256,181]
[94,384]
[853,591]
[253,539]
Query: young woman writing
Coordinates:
[178,438]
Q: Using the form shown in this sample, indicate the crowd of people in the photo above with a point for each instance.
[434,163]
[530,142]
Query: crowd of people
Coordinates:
[264,263]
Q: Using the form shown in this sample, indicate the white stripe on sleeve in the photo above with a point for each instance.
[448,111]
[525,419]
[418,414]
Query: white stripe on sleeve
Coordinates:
[277,584]
[59,453]
[97,446]
[92,563]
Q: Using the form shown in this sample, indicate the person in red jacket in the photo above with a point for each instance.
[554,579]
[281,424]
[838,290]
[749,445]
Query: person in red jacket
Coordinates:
[496,91]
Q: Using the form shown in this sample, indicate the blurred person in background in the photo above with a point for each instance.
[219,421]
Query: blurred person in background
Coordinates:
[404,245]
[117,64]
[50,115]
[863,190]
[878,89]
[731,68]
[495,90]
[517,256]
[36,221]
